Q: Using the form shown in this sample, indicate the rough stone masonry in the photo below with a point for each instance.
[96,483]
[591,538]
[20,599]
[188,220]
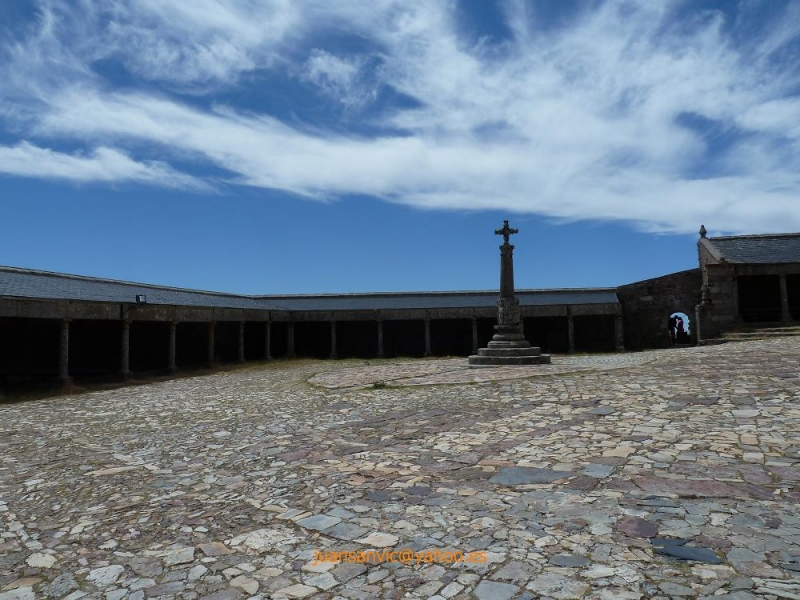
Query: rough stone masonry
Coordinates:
[662,474]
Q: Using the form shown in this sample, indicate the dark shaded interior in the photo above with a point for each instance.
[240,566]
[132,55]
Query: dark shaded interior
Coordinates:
[793,291]
[278,339]
[95,348]
[548,333]
[29,349]
[357,339]
[451,337]
[485,331]
[759,298]
[312,339]
[404,338]
[191,345]
[594,333]
[149,346]
[255,339]
[226,342]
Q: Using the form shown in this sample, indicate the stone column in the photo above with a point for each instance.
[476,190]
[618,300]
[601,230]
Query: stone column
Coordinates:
[570,331]
[619,334]
[241,342]
[211,344]
[173,328]
[427,336]
[267,341]
[380,339]
[125,363]
[333,340]
[63,354]
[785,314]
[474,335]
[290,339]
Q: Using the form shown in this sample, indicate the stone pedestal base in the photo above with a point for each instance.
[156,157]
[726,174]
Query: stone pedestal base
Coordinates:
[508,347]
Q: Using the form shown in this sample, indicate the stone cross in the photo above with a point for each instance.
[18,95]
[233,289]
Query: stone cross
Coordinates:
[505,232]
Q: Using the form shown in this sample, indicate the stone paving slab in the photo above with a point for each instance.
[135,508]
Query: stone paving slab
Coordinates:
[457,370]
[673,476]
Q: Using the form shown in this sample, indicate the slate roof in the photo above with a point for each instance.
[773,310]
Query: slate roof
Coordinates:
[24,283]
[758,249]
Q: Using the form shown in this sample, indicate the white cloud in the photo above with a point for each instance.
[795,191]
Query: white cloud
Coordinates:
[585,120]
[103,164]
[339,78]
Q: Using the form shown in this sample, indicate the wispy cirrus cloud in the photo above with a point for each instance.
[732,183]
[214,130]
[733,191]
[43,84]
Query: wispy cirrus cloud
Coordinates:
[101,164]
[652,113]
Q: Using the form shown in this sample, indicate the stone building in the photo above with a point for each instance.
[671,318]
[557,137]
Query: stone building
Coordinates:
[57,326]
[748,280]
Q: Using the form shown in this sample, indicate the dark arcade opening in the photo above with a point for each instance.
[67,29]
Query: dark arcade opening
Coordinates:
[594,333]
[404,338]
[357,339]
[485,331]
[451,337]
[95,348]
[278,345]
[312,339]
[255,339]
[29,349]
[226,342]
[759,298]
[793,293]
[191,345]
[149,346]
[548,333]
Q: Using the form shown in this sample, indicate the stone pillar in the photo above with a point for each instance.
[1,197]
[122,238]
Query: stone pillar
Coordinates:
[619,334]
[785,314]
[241,342]
[125,363]
[474,335]
[333,340]
[427,336]
[570,331]
[172,364]
[211,344]
[380,339]
[290,339]
[63,354]
[267,341]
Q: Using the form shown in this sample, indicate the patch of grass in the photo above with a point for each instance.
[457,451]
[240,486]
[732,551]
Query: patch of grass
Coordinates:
[378,385]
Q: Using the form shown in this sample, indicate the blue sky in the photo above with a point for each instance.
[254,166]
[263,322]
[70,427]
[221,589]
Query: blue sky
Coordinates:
[276,146]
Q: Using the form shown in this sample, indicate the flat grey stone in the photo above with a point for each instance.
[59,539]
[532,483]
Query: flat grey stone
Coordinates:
[555,585]
[525,475]
[743,555]
[318,522]
[569,560]
[674,589]
[690,553]
[598,471]
[491,590]
[61,585]
[346,531]
[602,411]
[515,571]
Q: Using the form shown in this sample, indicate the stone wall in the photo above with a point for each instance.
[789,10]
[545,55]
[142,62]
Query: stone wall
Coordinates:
[646,306]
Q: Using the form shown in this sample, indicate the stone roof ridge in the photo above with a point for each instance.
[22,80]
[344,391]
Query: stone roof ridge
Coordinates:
[431,293]
[150,286]
[751,236]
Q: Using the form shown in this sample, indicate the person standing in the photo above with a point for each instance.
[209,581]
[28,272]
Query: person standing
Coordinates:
[671,322]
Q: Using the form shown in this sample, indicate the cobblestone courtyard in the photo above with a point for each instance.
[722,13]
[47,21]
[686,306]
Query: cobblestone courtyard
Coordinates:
[671,474]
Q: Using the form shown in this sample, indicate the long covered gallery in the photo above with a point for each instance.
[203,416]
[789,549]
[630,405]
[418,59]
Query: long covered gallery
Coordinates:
[57,326]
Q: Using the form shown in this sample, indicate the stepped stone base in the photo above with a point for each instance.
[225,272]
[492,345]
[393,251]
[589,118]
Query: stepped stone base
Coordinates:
[507,348]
